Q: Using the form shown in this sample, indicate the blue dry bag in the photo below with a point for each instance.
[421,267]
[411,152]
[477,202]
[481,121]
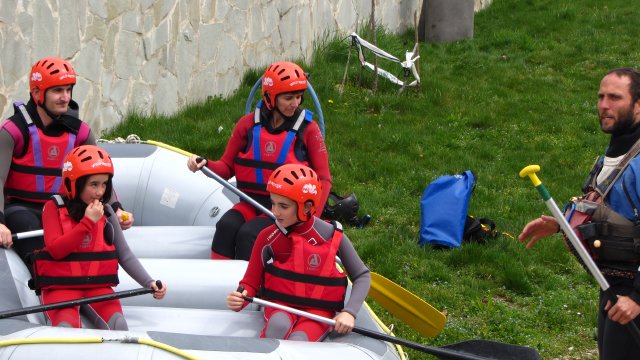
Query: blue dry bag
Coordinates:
[443,208]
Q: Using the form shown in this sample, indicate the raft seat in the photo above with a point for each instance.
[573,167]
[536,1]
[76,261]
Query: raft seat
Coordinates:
[195,321]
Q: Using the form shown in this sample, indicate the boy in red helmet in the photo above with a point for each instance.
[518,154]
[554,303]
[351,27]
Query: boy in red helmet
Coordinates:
[278,132]
[84,244]
[299,269]
[33,143]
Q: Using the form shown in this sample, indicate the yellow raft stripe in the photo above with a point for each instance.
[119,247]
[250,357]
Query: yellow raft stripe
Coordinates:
[97,340]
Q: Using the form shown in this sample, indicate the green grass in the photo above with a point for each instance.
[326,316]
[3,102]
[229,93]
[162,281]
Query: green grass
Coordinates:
[522,91]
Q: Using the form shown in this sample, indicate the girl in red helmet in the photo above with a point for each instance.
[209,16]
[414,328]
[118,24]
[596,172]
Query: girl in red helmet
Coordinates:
[298,269]
[33,144]
[278,132]
[84,244]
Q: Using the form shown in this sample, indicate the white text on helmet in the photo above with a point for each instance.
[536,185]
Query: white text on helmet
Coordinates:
[267,81]
[36,76]
[298,82]
[67,166]
[309,189]
[277,186]
[64,76]
[100,163]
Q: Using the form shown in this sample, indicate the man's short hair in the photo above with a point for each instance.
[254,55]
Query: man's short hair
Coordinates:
[634,76]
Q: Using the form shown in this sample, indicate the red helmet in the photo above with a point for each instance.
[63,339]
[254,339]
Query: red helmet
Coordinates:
[281,77]
[298,183]
[82,161]
[50,72]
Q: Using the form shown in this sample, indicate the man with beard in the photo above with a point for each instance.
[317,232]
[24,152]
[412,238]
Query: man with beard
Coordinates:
[33,144]
[611,236]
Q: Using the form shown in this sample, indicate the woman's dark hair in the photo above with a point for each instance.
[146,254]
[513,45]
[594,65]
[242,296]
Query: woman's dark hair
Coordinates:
[77,207]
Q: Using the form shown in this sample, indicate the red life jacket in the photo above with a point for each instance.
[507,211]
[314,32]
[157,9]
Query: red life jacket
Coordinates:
[266,152]
[93,264]
[36,166]
[309,277]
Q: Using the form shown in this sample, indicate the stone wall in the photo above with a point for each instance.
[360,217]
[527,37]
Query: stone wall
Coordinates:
[157,56]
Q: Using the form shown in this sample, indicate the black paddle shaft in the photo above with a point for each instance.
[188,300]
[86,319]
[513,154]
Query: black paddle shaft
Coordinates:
[77,302]
[468,350]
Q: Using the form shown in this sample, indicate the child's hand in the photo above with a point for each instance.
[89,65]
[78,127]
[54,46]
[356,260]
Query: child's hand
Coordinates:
[235,300]
[344,322]
[94,211]
[124,218]
[158,293]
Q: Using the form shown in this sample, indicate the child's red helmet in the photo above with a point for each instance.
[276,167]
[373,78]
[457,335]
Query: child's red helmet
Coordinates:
[50,72]
[298,183]
[82,161]
[279,78]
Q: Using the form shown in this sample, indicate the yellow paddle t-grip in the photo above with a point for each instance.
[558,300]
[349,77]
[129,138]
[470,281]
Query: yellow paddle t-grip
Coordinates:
[125,216]
[531,171]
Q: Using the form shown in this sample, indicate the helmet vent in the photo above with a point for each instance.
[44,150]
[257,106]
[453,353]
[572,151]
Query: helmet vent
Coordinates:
[297,74]
[54,72]
[285,78]
[281,71]
[48,66]
[295,175]
[288,181]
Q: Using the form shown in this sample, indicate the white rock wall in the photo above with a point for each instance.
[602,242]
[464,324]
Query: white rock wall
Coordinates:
[159,55]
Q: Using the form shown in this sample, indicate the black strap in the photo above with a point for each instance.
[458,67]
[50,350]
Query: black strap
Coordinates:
[42,281]
[296,300]
[36,170]
[79,256]
[305,278]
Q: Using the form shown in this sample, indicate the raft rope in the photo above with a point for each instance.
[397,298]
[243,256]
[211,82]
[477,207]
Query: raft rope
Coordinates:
[99,340]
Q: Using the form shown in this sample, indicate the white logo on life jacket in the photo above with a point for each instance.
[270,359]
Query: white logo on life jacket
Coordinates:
[267,81]
[314,261]
[270,148]
[53,153]
[36,76]
[309,189]
[86,242]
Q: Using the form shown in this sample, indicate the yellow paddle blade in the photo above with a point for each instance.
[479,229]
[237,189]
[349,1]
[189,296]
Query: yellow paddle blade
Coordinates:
[404,305]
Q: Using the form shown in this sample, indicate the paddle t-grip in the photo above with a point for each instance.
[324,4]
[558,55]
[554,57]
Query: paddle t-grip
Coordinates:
[159,284]
[531,171]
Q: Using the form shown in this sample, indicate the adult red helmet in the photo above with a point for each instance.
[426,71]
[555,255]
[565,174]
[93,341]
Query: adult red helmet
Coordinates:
[82,161]
[298,183]
[50,72]
[282,77]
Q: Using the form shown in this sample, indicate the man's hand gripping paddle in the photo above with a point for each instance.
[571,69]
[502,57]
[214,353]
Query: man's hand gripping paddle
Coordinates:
[531,171]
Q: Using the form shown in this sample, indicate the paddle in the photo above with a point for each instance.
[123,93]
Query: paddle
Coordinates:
[26,234]
[398,301]
[412,310]
[468,350]
[531,171]
[77,302]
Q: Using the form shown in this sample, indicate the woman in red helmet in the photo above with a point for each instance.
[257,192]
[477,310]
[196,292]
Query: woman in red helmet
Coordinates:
[84,244]
[298,269]
[33,143]
[278,132]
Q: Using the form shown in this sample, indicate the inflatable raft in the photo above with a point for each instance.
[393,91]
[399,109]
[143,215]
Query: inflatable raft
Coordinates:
[175,213]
